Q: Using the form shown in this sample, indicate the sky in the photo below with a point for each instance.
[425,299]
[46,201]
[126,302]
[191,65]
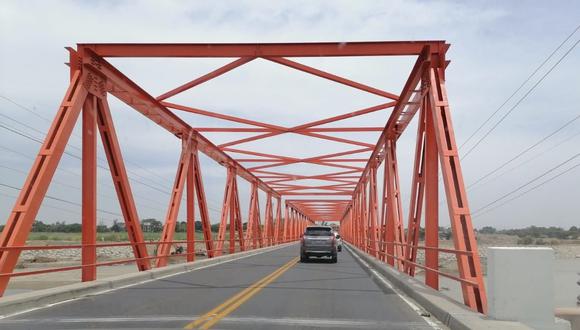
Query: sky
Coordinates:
[495,46]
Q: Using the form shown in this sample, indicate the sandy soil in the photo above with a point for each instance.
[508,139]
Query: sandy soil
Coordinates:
[564,250]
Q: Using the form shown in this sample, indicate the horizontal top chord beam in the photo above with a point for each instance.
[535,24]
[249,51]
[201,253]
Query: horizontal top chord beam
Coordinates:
[317,49]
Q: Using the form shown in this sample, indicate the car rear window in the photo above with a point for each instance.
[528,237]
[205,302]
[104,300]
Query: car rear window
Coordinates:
[318,232]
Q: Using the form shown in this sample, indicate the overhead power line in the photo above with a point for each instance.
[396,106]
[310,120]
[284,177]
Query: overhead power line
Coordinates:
[55,207]
[145,205]
[520,86]
[36,114]
[165,180]
[530,190]
[527,161]
[526,184]
[523,152]
[18,132]
[519,101]
[75,174]
[21,133]
[62,200]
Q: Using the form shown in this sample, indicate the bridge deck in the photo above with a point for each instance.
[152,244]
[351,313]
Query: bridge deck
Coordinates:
[304,296]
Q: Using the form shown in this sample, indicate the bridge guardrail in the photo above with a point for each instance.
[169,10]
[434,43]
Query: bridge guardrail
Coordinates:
[224,250]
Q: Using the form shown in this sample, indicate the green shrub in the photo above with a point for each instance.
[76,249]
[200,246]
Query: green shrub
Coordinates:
[541,241]
[525,240]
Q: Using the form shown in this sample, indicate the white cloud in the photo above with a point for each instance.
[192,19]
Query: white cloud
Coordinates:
[494,47]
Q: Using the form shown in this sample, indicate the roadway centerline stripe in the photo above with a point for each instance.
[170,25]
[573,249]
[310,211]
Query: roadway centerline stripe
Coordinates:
[231,300]
[249,295]
[220,311]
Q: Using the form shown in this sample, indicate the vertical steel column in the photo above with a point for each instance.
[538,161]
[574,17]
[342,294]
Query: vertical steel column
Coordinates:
[237,213]
[121,183]
[294,221]
[372,211]
[346,226]
[286,235]
[164,247]
[250,224]
[363,216]
[392,208]
[277,225]
[233,213]
[89,190]
[291,225]
[431,200]
[201,202]
[226,206]
[34,189]
[268,225]
[190,198]
[296,224]
[254,233]
[463,236]
[356,220]
[417,194]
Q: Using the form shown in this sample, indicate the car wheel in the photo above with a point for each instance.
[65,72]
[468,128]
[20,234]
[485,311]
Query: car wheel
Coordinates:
[334,259]
[303,258]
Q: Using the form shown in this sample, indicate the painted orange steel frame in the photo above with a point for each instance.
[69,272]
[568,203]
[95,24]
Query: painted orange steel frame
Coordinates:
[435,142]
[231,210]
[378,233]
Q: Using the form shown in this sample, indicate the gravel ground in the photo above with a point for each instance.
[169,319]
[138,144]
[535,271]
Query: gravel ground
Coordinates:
[448,263]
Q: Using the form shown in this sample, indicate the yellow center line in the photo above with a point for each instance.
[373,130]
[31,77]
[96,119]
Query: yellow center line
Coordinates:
[213,316]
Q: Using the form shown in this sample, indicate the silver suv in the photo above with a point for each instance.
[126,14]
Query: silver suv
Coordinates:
[318,241]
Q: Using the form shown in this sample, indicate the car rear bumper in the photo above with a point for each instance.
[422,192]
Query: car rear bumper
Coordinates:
[318,252]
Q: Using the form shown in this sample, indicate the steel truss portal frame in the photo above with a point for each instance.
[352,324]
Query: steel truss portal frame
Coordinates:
[368,220]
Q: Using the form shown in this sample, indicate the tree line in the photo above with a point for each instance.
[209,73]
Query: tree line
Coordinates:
[154,225]
[147,225]
[536,232]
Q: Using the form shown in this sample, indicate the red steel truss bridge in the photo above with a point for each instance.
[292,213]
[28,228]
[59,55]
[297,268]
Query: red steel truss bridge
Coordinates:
[346,193]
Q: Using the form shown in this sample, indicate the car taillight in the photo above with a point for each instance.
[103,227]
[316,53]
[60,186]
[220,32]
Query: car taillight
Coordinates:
[302,240]
[333,241]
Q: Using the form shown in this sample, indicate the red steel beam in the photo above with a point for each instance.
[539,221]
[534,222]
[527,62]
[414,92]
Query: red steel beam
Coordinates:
[390,130]
[130,93]
[34,189]
[376,48]
[121,182]
[89,189]
[300,129]
[284,160]
[332,77]
[262,130]
[164,249]
[316,194]
[277,130]
[216,73]
[265,160]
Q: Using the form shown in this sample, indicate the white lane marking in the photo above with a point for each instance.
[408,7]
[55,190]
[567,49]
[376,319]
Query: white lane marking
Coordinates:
[311,322]
[403,296]
[138,283]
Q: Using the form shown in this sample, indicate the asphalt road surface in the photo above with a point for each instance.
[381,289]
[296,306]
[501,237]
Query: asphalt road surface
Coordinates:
[267,291]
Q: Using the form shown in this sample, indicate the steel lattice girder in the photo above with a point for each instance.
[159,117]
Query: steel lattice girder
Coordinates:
[93,77]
